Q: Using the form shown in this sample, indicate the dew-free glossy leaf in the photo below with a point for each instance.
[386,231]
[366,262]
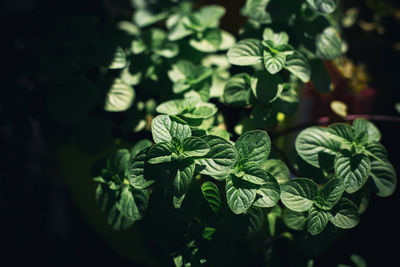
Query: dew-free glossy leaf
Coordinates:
[361,125]
[317,220]
[141,174]
[120,97]
[177,106]
[279,38]
[246,52]
[298,65]
[119,60]
[293,219]
[268,194]
[256,10]
[328,44]
[183,177]
[313,142]
[254,146]
[194,147]
[164,128]
[278,169]
[265,86]
[211,194]
[298,194]
[253,173]
[118,163]
[237,91]
[329,194]
[323,6]
[345,214]
[221,158]
[343,131]
[144,18]
[139,146]
[383,177]
[239,194]
[160,152]
[377,150]
[211,41]
[201,111]
[274,62]
[352,169]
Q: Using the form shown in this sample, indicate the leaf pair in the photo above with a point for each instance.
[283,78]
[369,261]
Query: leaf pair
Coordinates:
[189,108]
[124,203]
[248,184]
[353,152]
[274,52]
[202,27]
[187,76]
[316,207]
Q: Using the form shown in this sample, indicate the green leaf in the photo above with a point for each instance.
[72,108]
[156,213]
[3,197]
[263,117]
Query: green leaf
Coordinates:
[140,146]
[253,173]
[183,177]
[383,177]
[280,38]
[164,128]
[209,16]
[211,194]
[239,194]
[317,220]
[298,65]
[293,219]
[227,40]
[274,62]
[141,174]
[377,150]
[119,60]
[256,10]
[298,194]
[120,97]
[312,143]
[278,169]
[221,158]
[358,260]
[160,152]
[268,194]
[118,221]
[352,169]
[144,18]
[177,201]
[237,91]
[254,146]
[345,214]
[323,6]
[361,125]
[246,52]
[217,131]
[177,106]
[329,194]
[201,111]
[328,44]
[195,147]
[265,86]
[210,42]
[344,131]
[118,163]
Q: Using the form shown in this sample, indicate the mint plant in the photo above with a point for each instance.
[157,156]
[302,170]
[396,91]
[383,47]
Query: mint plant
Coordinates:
[214,180]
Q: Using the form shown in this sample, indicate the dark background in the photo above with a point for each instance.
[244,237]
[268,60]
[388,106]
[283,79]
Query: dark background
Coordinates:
[41,224]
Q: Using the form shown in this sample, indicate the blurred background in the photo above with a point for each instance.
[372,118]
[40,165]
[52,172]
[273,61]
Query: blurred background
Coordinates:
[41,219]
